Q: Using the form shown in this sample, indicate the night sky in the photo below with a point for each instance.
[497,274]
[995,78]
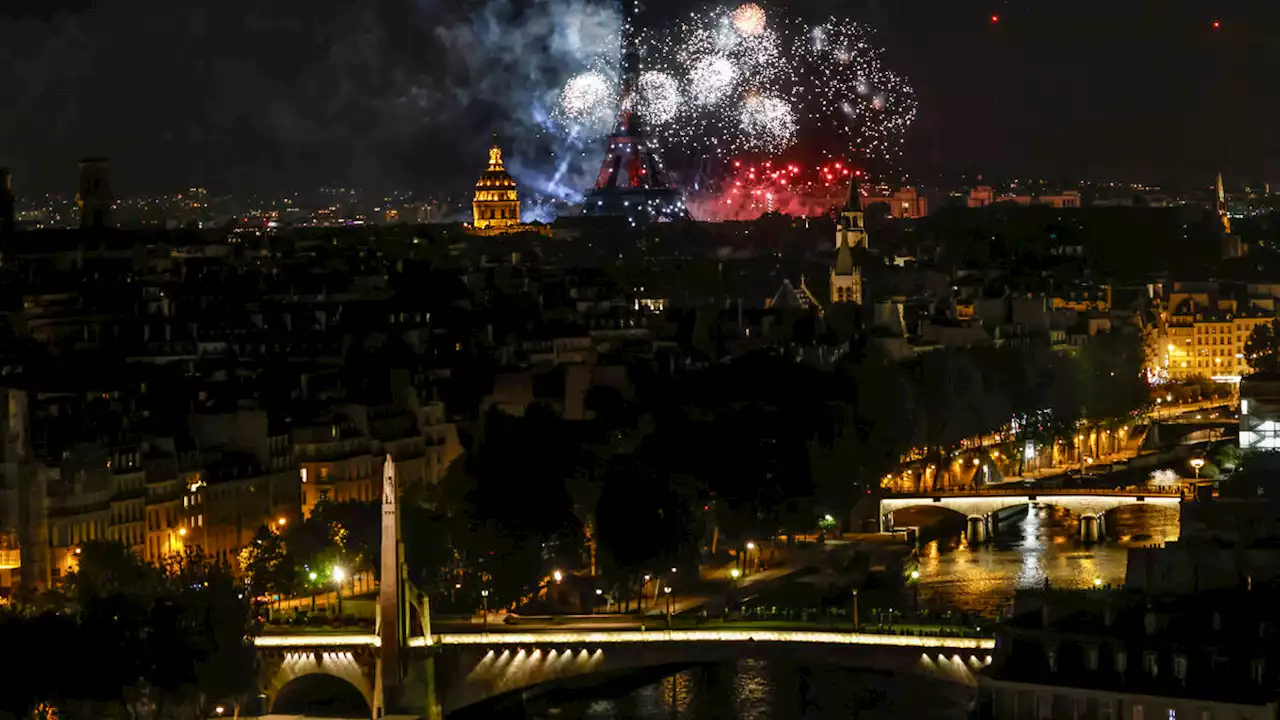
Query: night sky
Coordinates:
[246,95]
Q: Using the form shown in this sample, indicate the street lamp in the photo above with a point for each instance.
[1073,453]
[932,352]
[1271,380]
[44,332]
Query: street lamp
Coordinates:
[735,573]
[282,521]
[1196,464]
[1097,582]
[600,592]
[855,608]
[338,576]
[484,597]
[667,589]
[557,575]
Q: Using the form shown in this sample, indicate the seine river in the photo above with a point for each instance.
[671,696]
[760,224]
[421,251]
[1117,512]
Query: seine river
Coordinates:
[760,690]
[1025,552]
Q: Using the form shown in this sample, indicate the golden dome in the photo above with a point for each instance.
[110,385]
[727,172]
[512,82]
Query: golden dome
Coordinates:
[496,203]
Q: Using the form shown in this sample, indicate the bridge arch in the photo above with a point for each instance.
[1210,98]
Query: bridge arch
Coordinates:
[478,674]
[320,693]
[306,678]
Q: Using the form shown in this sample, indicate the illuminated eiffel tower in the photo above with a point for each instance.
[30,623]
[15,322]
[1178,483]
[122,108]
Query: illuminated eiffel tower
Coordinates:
[632,180]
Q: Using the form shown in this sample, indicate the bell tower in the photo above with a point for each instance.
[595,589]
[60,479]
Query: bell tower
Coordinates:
[851,233]
[94,197]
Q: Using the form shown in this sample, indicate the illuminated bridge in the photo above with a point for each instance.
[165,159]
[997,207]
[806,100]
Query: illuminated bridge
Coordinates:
[983,507]
[449,672]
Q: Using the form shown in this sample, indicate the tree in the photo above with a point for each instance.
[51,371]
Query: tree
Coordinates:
[150,641]
[1262,349]
[266,568]
[1228,456]
[644,525]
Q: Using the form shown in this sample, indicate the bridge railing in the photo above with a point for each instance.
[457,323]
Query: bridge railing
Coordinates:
[1023,491]
[306,641]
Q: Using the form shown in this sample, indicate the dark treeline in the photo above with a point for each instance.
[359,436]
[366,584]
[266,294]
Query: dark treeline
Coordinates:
[122,638]
[742,450]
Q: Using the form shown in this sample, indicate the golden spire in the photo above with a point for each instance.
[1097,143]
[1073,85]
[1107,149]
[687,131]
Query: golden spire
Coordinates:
[495,155]
[1222,207]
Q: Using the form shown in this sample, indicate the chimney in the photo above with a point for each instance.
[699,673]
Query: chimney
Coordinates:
[95,198]
[8,219]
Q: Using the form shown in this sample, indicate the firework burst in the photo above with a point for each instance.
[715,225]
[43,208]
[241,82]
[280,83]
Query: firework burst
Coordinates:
[767,122]
[587,100]
[659,97]
[739,79]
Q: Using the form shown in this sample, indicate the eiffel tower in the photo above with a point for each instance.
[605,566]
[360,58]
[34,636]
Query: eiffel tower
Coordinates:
[632,180]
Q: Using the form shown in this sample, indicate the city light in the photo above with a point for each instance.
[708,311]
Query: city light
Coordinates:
[282,521]
[312,575]
[339,574]
[735,573]
[1097,582]
[557,575]
[915,574]
[182,532]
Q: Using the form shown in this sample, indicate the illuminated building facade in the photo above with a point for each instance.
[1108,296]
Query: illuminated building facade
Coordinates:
[984,196]
[904,203]
[1207,340]
[497,202]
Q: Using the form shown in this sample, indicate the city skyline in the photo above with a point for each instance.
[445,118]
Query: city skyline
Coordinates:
[374,96]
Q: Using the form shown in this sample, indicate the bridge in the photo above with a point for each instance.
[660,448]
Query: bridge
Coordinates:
[446,673]
[429,674]
[982,507]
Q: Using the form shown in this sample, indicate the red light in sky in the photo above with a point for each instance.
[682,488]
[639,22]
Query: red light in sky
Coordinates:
[1216,24]
[995,19]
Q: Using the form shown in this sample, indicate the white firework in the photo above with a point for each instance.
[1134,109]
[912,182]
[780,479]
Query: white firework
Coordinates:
[587,99]
[659,97]
[767,123]
[711,79]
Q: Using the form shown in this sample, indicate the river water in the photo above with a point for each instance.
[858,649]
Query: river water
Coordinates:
[760,690]
[1028,550]
[1024,553]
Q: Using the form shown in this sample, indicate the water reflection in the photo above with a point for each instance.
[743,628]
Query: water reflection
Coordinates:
[755,689]
[1026,551]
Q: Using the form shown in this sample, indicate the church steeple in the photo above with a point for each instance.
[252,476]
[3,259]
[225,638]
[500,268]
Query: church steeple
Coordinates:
[846,276]
[1222,207]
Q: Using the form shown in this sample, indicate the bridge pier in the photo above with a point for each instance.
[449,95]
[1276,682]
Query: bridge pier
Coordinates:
[976,530]
[1091,528]
[886,521]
